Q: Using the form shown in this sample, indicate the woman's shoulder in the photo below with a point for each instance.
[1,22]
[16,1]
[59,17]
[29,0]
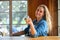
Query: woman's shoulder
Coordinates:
[43,21]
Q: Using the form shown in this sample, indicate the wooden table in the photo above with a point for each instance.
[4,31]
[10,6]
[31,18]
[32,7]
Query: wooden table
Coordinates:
[46,38]
[28,38]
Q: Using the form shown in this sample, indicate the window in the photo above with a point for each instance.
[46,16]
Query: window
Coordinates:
[12,14]
[4,17]
[19,12]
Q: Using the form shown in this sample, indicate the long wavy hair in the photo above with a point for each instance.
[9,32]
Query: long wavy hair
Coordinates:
[47,17]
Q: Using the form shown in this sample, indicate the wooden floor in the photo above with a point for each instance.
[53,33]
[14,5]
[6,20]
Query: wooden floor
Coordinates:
[27,38]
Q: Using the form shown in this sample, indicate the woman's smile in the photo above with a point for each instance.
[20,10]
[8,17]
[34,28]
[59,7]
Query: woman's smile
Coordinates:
[39,12]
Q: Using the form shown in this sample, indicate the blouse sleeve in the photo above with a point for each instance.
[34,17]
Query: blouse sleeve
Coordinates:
[41,30]
[27,29]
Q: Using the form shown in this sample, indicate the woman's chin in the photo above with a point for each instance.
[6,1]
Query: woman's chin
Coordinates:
[38,16]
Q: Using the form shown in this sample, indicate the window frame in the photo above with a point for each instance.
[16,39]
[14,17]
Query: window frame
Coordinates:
[10,15]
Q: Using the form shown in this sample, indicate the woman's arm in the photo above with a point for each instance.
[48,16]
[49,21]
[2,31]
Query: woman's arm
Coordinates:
[32,29]
[18,33]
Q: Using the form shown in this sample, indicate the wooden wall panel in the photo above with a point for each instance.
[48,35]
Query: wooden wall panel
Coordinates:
[52,5]
[32,5]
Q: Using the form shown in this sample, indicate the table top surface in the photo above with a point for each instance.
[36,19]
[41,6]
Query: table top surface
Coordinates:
[28,38]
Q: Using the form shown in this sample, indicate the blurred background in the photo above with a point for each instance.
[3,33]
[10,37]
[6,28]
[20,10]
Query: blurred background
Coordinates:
[13,12]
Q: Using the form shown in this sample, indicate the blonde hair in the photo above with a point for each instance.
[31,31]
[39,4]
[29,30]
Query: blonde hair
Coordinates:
[48,17]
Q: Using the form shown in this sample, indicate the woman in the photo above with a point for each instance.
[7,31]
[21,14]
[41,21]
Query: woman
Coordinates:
[39,26]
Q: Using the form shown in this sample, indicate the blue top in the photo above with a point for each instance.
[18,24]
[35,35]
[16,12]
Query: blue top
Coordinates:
[40,27]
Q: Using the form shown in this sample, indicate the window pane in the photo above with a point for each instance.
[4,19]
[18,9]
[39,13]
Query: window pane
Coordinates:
[4,6]
[4,30]
[18,18]
[19,12]
[4,12]
[18,6]
[4,18]
[17,28]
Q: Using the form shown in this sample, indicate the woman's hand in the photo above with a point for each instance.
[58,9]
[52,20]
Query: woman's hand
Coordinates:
[29,21]
[32,29]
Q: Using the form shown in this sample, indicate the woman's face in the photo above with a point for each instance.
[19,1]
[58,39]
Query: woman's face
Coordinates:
[39,12]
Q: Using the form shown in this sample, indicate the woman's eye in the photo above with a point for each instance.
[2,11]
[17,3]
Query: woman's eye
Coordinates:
[40,11]
[37,9]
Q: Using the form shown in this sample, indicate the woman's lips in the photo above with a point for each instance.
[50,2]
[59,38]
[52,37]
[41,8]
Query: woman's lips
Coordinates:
[37,14]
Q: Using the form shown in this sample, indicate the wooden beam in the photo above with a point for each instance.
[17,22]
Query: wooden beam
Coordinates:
[10,16]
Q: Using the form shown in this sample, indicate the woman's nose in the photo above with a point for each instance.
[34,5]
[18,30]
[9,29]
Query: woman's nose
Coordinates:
[38,12]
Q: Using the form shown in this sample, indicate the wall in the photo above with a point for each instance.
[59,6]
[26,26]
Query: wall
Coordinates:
[53,8]
[33,4]
[59,17]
